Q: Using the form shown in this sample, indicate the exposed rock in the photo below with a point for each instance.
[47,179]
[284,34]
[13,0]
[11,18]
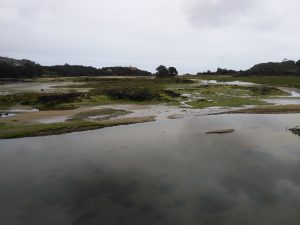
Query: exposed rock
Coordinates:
[226,131]
[175,116]
[295,130]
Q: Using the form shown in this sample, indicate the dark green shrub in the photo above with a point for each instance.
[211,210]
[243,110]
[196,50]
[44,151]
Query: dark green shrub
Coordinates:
[134,94]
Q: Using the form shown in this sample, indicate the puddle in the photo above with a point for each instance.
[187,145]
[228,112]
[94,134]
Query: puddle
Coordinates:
[295,93]
[186,95]
[57,119]
[22,110]
[292,99]
[98,117]
[7,115]
[237,83]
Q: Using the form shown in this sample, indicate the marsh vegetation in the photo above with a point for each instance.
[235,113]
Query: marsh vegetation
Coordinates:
[84,93]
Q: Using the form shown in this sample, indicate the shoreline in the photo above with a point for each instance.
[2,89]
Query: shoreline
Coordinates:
[142,100]
[29,124]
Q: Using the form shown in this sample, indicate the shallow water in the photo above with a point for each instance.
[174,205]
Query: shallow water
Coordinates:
[283,101]
[238,83]
[44,87]
[6,115]
[292,99]
[166,172]
[295,93]
[56,119]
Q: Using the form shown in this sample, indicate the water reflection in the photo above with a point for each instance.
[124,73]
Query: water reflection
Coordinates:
[169,172]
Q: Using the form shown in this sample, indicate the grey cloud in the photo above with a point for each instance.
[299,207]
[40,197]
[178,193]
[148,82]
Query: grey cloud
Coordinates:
[218,12]
[246,14]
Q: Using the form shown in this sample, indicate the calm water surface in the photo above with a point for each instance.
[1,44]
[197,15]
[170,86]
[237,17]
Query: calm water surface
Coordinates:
[167,172]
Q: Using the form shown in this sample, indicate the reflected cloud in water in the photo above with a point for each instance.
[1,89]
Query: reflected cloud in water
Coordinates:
[166,172]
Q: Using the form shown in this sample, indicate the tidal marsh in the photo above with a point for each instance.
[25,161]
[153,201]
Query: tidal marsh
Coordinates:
[110,92]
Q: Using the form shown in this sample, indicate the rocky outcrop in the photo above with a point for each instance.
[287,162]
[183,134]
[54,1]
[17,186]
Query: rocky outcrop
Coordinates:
[295,130]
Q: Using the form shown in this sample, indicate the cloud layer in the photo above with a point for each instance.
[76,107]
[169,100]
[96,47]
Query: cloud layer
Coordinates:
[192,35]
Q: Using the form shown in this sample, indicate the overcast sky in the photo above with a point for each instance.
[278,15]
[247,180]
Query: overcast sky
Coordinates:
[192,35]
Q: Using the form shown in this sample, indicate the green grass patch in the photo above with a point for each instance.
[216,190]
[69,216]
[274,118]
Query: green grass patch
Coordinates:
[261,91]
[225,95]
[225,101]
[233,90]
[95,100]
[41,101]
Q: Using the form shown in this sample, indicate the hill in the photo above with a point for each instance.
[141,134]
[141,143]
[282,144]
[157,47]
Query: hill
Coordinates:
[289,67]
[285,68]
[14,68]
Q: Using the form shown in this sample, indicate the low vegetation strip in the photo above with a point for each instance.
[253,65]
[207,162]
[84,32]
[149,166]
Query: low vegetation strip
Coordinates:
[19,131]
[225,102]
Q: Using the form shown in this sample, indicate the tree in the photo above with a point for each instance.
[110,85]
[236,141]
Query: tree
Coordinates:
[298,63]
[162,71]
[172,71]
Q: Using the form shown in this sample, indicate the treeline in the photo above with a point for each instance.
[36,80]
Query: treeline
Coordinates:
[124,71]
[219,72]
[12,68]
[75,70]
[286,67]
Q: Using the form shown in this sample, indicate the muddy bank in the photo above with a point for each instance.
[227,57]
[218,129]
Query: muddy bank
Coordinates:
[270,109]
